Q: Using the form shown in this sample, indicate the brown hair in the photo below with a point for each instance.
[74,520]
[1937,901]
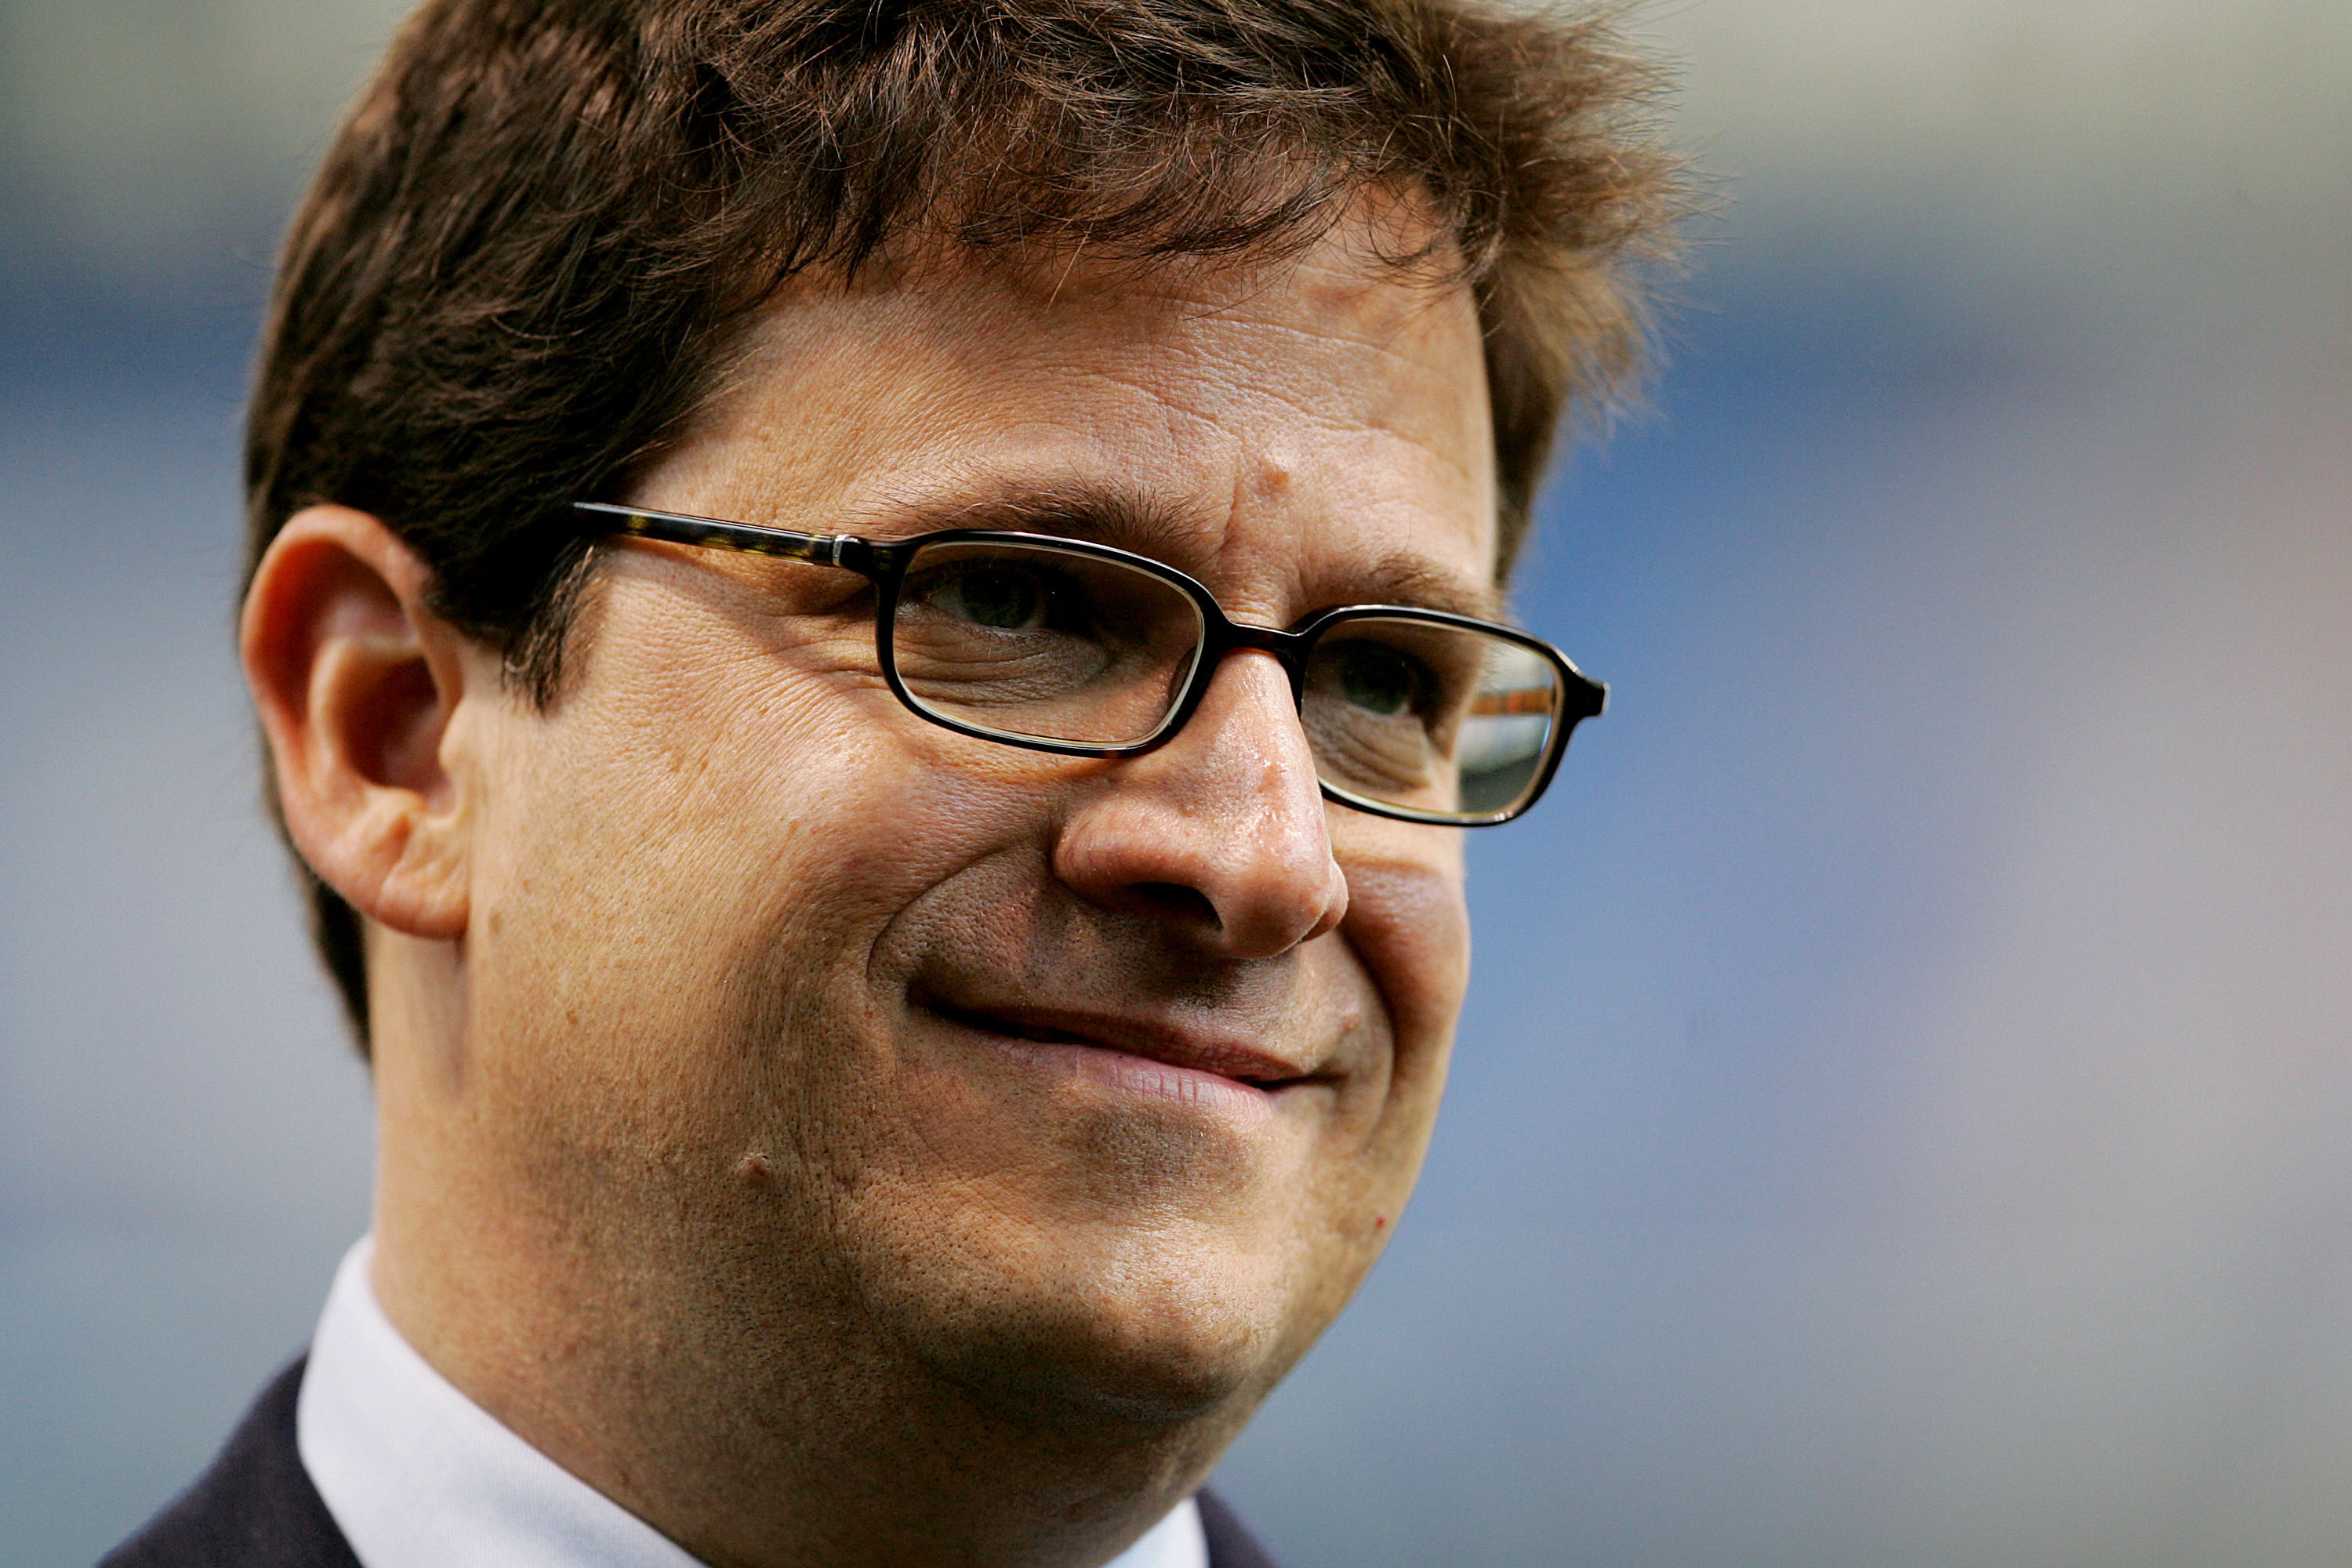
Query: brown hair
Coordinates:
[544,222]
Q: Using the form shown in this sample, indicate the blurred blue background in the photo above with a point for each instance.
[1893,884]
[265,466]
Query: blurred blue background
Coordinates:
[1906,1113]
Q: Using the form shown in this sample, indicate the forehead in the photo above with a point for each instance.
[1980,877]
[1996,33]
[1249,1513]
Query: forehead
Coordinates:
[1292,430]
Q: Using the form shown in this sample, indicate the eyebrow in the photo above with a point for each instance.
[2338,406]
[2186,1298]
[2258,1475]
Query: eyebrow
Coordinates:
[1129,520]
[1098,513]
[1409,579]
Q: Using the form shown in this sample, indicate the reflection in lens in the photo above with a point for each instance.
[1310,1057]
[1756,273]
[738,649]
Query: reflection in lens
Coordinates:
[1429,716]
[1509,728]
[1036,642]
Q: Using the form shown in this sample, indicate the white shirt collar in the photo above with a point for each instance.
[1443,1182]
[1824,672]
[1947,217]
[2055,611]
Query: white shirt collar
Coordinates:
[418,1476]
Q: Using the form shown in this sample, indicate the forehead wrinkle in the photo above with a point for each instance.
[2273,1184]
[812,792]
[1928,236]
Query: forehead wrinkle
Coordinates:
[1388,359]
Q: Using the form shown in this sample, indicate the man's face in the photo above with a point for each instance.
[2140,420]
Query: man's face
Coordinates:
[1077,1080]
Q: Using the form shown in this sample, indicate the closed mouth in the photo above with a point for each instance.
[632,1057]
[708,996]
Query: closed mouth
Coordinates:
[1238,1065]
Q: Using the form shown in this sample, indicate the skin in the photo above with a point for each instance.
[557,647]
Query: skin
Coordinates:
[841,1141]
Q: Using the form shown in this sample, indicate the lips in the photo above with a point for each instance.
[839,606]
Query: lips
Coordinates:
[1190,1050]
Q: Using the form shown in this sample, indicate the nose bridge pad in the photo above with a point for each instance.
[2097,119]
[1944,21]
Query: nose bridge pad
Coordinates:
[1294,665]
[1288,649]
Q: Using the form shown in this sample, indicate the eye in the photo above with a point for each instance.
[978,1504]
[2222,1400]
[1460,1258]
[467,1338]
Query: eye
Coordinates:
[1003,598]
[1379,680]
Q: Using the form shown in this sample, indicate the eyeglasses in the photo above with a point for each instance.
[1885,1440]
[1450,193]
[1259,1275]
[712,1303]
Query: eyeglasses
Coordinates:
[1062,645]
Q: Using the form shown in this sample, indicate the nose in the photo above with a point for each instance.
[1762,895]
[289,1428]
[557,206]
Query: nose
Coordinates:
[1219,835]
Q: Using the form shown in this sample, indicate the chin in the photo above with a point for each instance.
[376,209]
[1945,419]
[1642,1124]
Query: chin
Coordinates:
[1149,1332]
[1057,1366]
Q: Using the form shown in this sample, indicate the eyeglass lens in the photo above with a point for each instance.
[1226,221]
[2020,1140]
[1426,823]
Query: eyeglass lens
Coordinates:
[1032,642]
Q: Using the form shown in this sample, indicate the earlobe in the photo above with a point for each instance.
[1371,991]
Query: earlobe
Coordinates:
[357,683]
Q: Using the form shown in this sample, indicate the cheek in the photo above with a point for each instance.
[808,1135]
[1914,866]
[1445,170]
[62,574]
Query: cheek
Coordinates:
[1409,924]
[684,889]
[1405,941]
[1408,927]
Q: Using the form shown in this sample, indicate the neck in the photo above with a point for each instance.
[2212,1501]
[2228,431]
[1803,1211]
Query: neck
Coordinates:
[784,1432]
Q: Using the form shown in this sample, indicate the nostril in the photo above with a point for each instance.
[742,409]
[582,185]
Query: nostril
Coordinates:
[1177,899]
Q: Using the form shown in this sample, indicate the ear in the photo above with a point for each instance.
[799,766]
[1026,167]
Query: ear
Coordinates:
[357,683]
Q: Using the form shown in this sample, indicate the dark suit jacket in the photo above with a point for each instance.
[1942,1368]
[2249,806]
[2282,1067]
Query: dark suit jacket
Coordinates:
[256,1508]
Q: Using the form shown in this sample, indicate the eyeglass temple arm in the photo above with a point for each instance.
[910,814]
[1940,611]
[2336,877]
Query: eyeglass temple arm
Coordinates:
[679,528]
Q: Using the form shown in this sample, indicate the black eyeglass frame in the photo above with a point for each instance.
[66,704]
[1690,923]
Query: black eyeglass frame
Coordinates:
[884,563]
